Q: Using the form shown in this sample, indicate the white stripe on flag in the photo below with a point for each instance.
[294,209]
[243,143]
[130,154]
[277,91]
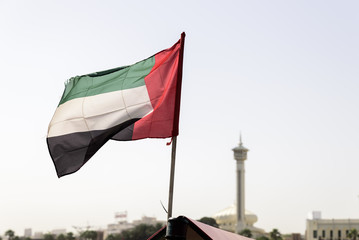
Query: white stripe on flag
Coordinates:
[100,112]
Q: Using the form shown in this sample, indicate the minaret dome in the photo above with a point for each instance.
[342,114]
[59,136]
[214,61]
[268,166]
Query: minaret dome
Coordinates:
[240,152]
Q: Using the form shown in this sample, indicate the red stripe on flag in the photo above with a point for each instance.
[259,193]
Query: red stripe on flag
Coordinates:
[161,84]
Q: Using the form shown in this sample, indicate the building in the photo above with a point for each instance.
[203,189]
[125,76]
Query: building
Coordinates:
[147,221]
[59,231]
[117,228]
[235,218]
[38,235]
[28,233]
[292,236]
[227,220]
[318,228]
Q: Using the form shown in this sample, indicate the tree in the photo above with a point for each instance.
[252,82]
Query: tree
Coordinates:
[49,236]
[144,231]
[140,232]
[10,234]
[262,238]
[352,234]
[113,237]
[89,235]
[209,221]
[70,236]
[61,237]
[275,235]
[246,233]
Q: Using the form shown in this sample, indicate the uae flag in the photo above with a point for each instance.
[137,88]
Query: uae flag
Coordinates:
[126,103]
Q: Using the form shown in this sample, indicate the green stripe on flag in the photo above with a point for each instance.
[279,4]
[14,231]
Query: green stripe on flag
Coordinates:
[108,81]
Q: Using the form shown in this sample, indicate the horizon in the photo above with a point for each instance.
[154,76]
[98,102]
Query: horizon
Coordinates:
[284,74]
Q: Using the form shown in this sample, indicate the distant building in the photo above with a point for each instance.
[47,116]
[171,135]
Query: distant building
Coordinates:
[293,236]
[57,232]
[227,220]
[148,221]
[27,232]
[328,229]
[117,228]
[38,235]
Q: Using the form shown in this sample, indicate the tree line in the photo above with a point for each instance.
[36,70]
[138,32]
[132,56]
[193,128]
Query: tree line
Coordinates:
[10,234]
[139,232]
[144,231]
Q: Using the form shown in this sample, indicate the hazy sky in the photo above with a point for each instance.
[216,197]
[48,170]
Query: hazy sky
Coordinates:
[284,73]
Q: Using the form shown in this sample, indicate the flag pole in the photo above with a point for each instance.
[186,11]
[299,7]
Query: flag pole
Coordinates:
[175,127]
[172,176]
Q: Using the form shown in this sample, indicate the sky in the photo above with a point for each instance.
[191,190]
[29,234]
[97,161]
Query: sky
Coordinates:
[282,73]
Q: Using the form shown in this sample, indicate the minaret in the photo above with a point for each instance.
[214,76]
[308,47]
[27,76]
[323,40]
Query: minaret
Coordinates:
[240,155]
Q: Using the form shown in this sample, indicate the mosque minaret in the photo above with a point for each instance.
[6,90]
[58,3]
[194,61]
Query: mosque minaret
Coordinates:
[240,155]
[236,218]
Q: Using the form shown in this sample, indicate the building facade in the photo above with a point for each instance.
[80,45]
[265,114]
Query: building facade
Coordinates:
[329,229]
[28,233]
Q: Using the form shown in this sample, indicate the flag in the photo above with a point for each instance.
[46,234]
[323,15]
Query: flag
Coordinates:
[125,103]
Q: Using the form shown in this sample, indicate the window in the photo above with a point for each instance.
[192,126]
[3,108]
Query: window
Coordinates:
[339,234]
[323,233]
[331,234]
[315,234]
